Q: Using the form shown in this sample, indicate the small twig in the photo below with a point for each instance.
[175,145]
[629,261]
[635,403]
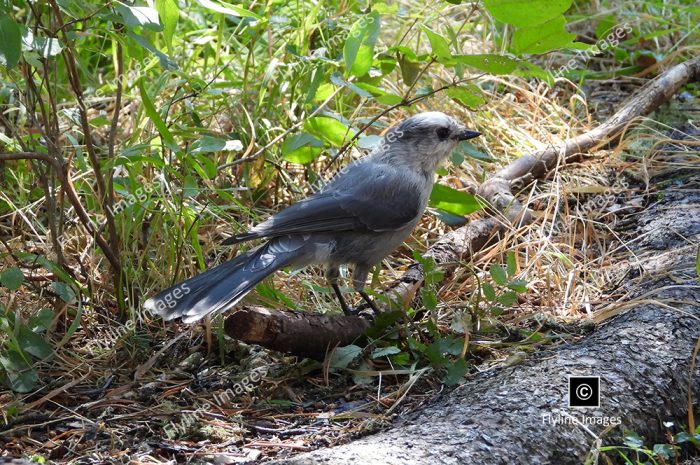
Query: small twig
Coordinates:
[108,199]
[31,418]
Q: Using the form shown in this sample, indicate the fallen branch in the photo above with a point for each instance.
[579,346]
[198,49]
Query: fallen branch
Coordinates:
[460,244]
[304,334]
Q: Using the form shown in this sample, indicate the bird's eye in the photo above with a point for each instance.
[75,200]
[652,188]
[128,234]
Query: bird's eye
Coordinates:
[442,133]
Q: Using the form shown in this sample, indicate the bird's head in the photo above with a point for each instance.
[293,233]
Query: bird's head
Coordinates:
[423,141]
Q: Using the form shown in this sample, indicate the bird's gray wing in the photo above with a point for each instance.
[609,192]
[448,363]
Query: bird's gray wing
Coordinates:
[374,199]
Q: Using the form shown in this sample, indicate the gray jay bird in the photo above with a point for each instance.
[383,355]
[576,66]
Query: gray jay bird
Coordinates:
[358,218]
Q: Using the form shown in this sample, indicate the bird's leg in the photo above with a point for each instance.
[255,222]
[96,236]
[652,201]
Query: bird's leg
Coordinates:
[346,310]
[332,274]
[369,301]
[359,277]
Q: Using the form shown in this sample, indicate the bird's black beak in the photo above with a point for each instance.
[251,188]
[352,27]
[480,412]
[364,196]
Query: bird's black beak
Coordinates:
[466,134]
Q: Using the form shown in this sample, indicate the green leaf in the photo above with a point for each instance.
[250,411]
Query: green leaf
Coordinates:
[135,16]
[301,148]
[526,13]
[10,42]
[169,14]
[409,70]
[401,359]
[368,90]
[385,351]
[455,373]
[468,149]
[32,343]
[343,356]
[438,44]
[433,276]
[297,141]
[499,275]
[190,188]
[363,60]
[20,375]
[508,298]
[633,440]
[303,155]
[44,46]
[666,451]
[449,219]
[64,291]
[165,61]
[452,200]
[434,353]
[210,144]
[228,9]
[12,278]
[494,64]
[468,95]
[158,122]
[386,63]
[518,285]
[329,130]
[511,263]
[429,298]
[359,44]
[338,80]
[543,38]
[604,26]
[41,320]
[489,292]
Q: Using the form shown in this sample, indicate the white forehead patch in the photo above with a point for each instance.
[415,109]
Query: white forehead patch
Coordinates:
[435,118]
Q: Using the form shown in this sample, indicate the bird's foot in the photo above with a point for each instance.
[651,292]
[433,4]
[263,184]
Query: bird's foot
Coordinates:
[370,302]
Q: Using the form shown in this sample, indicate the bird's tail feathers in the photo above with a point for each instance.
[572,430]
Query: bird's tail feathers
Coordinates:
[219,288]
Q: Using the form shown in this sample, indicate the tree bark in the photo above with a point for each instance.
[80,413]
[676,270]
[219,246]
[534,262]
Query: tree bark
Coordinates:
[305,334]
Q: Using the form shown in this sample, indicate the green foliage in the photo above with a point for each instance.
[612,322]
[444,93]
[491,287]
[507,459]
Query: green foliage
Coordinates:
[23,343]
[330,130]
[526,13]
[504,289]
[635,452]
[10,41]
[438,44]
[358,51]
[427,346]
[543,38]
[12,278]
[453,201]
[301,148]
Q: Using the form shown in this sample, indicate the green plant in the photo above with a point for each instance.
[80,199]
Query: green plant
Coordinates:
[23,344]
[427,345]
[634,452]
